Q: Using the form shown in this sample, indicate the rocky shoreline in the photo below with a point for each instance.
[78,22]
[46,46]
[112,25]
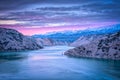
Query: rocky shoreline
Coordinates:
[106,47]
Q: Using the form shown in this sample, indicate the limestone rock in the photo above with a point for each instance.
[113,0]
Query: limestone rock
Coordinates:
[106,47]
[12,40]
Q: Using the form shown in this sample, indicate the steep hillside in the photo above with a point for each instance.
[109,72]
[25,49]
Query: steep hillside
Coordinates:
[99,46]
[12,40]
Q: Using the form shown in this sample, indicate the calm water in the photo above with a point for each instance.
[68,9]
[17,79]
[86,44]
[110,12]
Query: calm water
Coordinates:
[50,64]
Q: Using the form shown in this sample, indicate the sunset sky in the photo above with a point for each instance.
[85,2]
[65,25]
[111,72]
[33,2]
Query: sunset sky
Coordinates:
[40,16]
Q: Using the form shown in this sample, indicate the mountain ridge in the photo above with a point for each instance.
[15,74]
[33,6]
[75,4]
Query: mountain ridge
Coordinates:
[71,36]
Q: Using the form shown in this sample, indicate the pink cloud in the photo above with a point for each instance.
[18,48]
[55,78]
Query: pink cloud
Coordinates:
[42,30]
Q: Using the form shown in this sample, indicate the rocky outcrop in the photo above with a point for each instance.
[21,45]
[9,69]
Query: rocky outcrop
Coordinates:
[12,40]
[45,41]
[50,42]
[106,47]
[86,39]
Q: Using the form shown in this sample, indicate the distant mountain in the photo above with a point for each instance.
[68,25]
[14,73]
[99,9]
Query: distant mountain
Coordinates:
[71,36]
[12,40]
[66,36]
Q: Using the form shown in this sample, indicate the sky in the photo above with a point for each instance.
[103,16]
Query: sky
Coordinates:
[41,16]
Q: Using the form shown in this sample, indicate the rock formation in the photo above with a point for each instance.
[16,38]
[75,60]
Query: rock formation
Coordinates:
[12,40]
[97,46]
[50,42]
[45,41]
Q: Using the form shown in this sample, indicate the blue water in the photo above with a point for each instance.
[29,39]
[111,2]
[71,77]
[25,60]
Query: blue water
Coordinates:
[50,64]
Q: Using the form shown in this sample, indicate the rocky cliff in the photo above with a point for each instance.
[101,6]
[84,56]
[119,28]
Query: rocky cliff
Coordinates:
[97,46]
[12,40]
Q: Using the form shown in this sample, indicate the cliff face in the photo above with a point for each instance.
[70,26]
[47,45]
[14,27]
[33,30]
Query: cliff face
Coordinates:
[12,40]
[102,46]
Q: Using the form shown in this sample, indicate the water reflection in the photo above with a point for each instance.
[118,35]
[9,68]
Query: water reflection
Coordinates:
[44,57]
[12,55]
[9,67]
[50,64]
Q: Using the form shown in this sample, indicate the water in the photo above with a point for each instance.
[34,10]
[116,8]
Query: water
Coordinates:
[50,64]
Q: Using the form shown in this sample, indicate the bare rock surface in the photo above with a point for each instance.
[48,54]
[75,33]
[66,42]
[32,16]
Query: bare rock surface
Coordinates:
[50,42]
[97,46]
[12,40]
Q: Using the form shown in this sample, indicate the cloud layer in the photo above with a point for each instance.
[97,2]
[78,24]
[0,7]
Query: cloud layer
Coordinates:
[59,13]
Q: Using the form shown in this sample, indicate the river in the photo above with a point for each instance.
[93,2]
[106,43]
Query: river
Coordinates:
[50,64]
